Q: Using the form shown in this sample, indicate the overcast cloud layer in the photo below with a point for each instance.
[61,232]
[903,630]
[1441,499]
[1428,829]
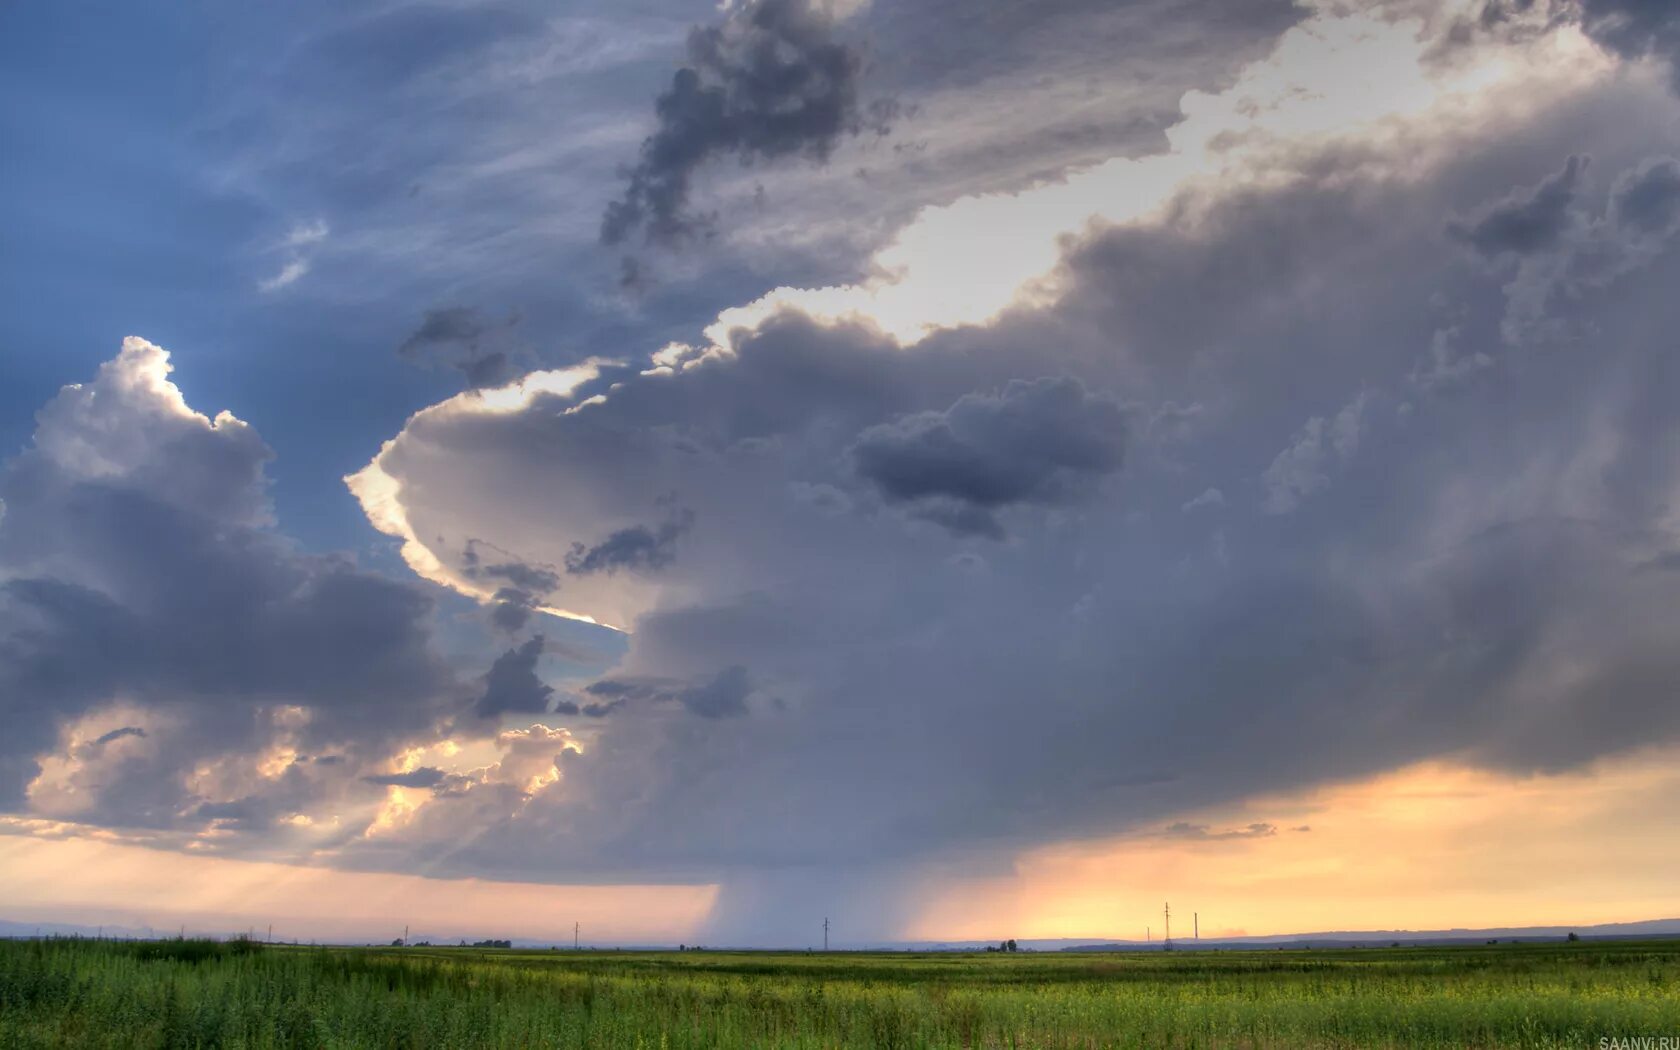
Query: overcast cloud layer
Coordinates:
[1319,427]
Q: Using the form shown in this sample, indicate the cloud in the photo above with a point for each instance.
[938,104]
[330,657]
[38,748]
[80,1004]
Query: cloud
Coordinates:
[1458,579]
[465,339]
[142,584]
[1042,441]
[293,247]
[305,234]
[722,695]
[423,777]
[1203,833]
[524,587]
[289,274]
[512,683]
[1320,446]
[1529,220]
[118,734]
[1645,201]
[811,694]
[634,547]
[770,81]
[1210,497]
[1636,29]
[1565,249]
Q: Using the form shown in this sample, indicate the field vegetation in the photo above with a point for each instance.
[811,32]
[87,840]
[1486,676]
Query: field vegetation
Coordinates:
[190,993]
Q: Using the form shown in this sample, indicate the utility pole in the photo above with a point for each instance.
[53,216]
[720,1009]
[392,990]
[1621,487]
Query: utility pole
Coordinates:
[825,933]
[575,927]
[1148,935]
[271,933]
[1196,924]
[1166,910]
[405,935]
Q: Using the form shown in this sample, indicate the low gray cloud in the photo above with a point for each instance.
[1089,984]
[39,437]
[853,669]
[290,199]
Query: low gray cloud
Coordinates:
[1322,446]
[1529,220]
[638,547]
[512,683]
[1041,441]
[525,588]
[721,695]
[771,81]
[1645,201]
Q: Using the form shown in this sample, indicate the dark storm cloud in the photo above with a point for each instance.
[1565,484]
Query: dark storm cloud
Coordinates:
[512,683]
[771,81]
[1530,220]
[462,338]
[634,547]
[1636,29]
[511,609]
[1459,574]
[450,324]
[1039,441]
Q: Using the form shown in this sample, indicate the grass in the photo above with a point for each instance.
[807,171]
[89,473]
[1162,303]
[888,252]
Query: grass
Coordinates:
[185,994]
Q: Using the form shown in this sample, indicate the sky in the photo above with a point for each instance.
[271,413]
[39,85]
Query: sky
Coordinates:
[961,469]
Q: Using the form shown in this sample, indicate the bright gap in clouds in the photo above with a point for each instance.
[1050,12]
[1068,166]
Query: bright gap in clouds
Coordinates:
[1338,76]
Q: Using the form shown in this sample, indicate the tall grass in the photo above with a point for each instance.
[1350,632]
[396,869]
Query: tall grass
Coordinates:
[204,994]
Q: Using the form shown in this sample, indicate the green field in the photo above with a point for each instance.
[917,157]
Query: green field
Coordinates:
[87,993]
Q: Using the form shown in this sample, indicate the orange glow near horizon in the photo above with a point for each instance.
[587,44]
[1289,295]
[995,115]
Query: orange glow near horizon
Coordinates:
[88,881]
[1432,846]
